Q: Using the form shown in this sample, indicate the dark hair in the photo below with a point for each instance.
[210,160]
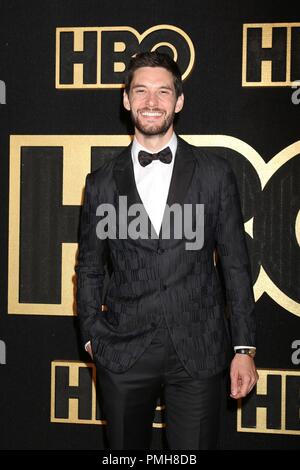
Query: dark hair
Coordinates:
[154,59]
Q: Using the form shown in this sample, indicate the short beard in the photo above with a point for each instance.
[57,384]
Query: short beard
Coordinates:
[154,129]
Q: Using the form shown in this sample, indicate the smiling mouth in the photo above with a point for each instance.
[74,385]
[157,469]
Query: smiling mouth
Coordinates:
[151,114]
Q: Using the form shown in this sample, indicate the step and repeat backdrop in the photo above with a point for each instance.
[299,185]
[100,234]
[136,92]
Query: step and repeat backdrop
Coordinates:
[61,73]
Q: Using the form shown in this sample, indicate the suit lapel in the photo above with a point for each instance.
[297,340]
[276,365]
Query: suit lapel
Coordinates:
[183,171]
[124,176]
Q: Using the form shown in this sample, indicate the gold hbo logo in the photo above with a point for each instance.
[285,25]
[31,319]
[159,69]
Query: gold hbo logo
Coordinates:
[97,57]
[271,54]
[275,407]
[75,395]
[44,208]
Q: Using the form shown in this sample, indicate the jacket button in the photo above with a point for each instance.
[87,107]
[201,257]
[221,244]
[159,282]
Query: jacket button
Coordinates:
[160,251]
[153,325]
[165,287]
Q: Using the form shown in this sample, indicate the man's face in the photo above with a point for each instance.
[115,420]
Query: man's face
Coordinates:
[152,100]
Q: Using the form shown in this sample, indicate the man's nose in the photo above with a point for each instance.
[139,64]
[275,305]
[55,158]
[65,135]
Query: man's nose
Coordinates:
[152,99]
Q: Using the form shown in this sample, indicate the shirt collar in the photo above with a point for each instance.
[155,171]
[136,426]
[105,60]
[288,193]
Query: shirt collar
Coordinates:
[136,147]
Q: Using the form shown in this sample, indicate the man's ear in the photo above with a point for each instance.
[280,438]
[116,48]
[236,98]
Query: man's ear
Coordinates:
[179,103]
[126,103]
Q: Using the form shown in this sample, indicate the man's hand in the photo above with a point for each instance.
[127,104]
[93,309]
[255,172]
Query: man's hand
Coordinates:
[243,375]
[88,348]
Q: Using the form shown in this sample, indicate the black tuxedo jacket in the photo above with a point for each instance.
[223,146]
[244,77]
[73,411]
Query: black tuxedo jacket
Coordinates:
[152,279]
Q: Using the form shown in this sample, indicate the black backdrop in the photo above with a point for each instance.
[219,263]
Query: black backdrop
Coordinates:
[216,105]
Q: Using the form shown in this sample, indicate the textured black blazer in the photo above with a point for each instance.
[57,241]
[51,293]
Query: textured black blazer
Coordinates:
[152,279]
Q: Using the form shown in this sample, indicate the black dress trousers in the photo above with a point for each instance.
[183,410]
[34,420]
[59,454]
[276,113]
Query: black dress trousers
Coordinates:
[128,401]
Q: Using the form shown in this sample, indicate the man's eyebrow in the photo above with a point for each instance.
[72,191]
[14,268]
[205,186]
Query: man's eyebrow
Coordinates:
[165,87]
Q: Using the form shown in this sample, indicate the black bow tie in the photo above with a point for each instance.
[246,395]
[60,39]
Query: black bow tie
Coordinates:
[145,158]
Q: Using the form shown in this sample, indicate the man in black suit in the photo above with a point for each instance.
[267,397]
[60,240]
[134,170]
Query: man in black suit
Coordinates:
[165,323]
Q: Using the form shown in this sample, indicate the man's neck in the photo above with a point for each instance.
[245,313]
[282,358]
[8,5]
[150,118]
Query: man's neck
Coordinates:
[153,142]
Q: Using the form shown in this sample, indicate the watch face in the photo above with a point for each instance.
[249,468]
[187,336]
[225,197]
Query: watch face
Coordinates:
[249,352]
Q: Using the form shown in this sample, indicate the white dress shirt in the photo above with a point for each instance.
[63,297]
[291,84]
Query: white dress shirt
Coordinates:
[153,181]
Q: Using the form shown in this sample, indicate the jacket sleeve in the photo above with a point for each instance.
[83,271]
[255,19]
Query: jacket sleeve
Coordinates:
[233,253]
[90,268]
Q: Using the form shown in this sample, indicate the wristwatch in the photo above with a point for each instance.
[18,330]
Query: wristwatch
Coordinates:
[249,351]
